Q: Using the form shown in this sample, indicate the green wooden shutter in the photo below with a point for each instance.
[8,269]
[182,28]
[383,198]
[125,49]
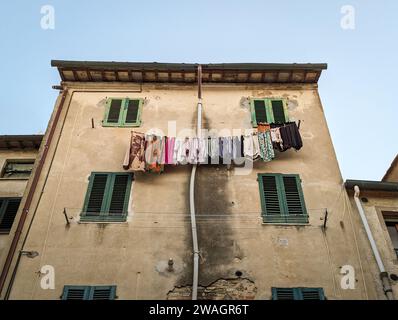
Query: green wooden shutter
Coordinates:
[312,294]
[119,194]
[284,294]
[294,199]
[297,294]
[282,199]
[76,293]
[270,195]
[8,211]
[113,112]
[279,111]
[103,293]
[107,197]
[95,199]
[132,112]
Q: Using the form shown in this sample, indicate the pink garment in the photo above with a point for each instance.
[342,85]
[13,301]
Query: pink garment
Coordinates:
[170,150]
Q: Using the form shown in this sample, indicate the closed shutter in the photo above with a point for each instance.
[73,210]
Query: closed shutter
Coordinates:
[271,195]
[103,293]
[312,294]
[119,192]
[292,194]
[132,111]
[8,211]
[278,111]
[282,199]
[260,111]
[95,203]
[107,197]
[114,111]
[283,294]
[76,293]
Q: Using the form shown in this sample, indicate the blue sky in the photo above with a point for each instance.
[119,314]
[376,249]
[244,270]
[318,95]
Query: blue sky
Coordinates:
[357,90]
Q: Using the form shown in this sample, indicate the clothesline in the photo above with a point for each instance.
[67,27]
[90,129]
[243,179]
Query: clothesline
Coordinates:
[150,152]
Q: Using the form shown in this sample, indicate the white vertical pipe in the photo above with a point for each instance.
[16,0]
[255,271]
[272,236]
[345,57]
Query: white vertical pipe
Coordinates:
[383,274]
[368,231]
[192,196]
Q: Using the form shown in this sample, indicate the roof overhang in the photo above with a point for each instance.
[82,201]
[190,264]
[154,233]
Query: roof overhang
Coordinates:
[366,185]
[139,72]
[18,142]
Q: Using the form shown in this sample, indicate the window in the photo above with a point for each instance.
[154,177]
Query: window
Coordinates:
[282,199]
[17,169]
[89,293]
[123,112]
[268,111]
[391,221]
[298,294]
[107,197]
[8,210]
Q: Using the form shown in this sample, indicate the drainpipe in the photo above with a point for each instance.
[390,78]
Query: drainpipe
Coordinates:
[31,193]
[192,196]
[383,273]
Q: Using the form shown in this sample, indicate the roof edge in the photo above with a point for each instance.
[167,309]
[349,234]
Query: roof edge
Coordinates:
[372,185]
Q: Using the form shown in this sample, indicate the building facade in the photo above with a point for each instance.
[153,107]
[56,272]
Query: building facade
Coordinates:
[17,157]
[379,202]
[282,229]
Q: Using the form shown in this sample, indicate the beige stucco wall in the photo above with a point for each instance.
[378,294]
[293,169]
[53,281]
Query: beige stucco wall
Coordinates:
[132,255]
[14,187]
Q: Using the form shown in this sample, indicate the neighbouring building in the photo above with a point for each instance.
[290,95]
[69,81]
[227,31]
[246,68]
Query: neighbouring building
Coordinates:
[285,229]
[379,201]
[17,157]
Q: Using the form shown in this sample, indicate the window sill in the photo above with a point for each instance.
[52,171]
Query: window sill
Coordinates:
[103,219]
[121,126]
[286,220]
[4,179]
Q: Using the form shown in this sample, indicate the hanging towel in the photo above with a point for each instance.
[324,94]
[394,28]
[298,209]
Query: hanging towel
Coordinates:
[202,150]
[170,143]
[153,154]
[214,150]
[135,154]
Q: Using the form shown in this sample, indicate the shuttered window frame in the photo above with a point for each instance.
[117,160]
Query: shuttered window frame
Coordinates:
[123,113]
[4,203]
[284,217]
[268,110]
[89,293]
[300,293]
[104,215]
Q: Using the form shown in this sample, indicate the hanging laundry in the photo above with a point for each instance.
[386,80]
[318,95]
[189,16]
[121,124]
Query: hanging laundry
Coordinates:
[202,150]
[182,147]
[153,154]
[237,150]
[251,147]
[193,150]
[291,137]
[213,150]
[264,139]
[276,138]
[226,149]
[135,154]
[170,143]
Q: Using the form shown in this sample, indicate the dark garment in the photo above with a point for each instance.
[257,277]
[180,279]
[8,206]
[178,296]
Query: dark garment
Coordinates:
[291,137]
